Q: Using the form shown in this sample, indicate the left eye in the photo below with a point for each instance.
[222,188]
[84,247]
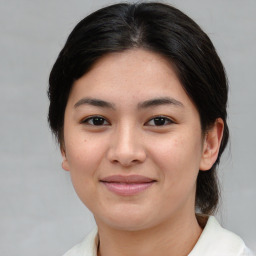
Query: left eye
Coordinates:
[159,121]
[96,121]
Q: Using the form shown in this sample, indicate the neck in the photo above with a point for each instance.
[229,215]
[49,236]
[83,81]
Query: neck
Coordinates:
[176,236]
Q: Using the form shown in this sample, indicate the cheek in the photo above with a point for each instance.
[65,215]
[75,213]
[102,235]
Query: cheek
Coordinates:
[84,154]
[177,156]
[83,158]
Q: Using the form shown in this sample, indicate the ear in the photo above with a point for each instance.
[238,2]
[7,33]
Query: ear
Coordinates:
[211,145]
[64,164]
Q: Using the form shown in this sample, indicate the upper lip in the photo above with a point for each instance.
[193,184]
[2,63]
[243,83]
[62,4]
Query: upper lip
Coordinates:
[127,179]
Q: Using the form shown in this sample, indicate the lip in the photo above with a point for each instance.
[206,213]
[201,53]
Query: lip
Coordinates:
[127,185]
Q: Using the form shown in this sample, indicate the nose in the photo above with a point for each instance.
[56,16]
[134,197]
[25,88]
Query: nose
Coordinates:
[126,147]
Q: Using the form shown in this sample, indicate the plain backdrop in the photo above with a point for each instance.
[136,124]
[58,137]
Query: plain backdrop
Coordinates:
[40,213]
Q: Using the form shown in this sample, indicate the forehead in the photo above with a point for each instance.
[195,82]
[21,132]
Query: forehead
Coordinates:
[130,76]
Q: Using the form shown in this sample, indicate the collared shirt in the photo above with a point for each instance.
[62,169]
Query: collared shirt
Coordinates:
[214,241]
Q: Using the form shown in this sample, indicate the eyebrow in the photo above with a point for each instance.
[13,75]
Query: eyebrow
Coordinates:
[159,102]
[144,104]
[94,102]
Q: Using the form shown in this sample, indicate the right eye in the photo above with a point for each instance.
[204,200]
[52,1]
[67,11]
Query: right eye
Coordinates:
[95,121]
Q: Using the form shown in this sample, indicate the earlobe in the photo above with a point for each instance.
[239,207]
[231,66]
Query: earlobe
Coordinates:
[212,142]
[64,164]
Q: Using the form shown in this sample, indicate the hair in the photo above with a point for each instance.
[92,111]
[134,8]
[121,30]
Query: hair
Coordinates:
[162,29]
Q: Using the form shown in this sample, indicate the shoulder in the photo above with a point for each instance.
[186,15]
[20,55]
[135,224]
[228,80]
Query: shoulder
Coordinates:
[217,241]
[87,247]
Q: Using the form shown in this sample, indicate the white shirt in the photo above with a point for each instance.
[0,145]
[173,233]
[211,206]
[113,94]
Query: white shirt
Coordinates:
[214,241]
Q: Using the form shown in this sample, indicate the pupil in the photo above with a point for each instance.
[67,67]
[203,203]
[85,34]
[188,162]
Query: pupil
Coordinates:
[98,121]
[159,121]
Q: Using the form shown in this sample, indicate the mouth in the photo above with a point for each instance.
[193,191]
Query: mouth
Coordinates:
[127,185]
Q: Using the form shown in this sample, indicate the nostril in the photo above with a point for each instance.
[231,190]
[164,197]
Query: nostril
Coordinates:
[126,152]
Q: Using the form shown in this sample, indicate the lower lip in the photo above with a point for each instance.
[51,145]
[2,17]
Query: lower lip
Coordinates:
[127,189]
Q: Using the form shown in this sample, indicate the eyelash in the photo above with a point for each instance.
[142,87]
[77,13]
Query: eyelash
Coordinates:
[95,118]
[161,118]
[101,119]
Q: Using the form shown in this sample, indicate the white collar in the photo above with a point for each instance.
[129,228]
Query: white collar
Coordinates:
[214,241]
[217,241]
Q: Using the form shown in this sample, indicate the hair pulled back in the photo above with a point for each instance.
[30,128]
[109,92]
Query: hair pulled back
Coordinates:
[162,29]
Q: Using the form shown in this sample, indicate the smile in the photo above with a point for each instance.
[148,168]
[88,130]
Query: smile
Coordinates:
[127,185]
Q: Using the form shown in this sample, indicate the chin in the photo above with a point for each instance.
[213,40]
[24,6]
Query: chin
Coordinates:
[128,225]
[124,219]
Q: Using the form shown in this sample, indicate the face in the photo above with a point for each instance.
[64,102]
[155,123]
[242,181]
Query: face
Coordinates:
[133,142]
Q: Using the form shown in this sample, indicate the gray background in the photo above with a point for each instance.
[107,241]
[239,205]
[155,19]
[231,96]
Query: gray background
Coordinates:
[39,211]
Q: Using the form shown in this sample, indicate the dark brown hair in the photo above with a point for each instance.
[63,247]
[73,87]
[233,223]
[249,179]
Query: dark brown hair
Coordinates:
[162,29]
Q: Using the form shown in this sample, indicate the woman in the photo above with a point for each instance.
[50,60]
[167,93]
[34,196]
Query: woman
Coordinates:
[138,101]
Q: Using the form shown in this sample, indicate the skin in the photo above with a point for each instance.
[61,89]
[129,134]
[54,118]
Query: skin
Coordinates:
[128,141]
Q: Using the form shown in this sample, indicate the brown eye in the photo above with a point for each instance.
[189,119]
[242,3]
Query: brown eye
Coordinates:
[96,121]
[159,121]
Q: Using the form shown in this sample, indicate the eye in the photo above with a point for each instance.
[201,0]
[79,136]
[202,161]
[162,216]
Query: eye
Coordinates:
[95,121]
[159,121]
